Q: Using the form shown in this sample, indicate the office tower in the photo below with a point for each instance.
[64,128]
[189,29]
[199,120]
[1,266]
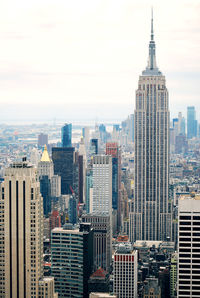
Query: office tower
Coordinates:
[181,144]
[101,225]
[34,157]
[72,263]
[173,275]
[114,150]
[188,246]
[45,166]
[86,135]
[82,161]
[102,184]
[55,186]
[72,210]
[21,233]
[94,146]
[151,214]
[66,135]
[42,140]
[191,123]
[45,173]
[89,190]
[45,190]
[63,160]
[181,124]
[125,271]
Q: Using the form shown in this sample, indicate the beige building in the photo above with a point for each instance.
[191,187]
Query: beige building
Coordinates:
[101,295]
[150,218]
[21,233]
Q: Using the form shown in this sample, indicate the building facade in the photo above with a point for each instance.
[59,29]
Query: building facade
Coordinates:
[113,149]
[64,160]
[72,259]
[102,184]
[152,214]
[188,247]
[191,123]
[102,246]
[21,233]
[125,271]
[66,135]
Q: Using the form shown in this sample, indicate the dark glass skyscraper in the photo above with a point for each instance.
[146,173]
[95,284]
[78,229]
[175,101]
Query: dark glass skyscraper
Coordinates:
[66,135]
[63,160]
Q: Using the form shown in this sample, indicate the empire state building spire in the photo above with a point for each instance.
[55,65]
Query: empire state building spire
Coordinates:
[152,68]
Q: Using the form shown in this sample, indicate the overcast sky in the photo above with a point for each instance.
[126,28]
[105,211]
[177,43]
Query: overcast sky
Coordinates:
[81,59]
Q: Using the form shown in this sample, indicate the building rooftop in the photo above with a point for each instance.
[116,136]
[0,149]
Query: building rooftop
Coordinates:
[45,155]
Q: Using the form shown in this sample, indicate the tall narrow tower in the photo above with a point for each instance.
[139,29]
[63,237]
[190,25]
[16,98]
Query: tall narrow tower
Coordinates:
[151,217]
[21,234]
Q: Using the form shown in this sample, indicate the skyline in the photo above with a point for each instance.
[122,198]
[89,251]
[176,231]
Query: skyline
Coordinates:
[77,57]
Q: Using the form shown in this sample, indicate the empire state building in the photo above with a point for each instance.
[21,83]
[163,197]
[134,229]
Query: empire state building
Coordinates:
[150,218]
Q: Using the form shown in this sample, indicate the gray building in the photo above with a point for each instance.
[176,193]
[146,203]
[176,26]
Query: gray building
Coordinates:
[151,215]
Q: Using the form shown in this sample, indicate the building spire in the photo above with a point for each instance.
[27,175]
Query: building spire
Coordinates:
[152,34]
[152,68]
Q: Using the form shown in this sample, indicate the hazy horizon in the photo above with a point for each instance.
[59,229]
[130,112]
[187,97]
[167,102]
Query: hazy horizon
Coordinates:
[81,60]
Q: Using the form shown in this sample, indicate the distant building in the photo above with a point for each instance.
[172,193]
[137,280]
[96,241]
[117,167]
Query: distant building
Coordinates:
[45,165]
[86,135]
[191,123]
[181,144]
[101,224]
[94,146]
[42,140]
[125,271]
[188,246]
[66,135]
[72,263]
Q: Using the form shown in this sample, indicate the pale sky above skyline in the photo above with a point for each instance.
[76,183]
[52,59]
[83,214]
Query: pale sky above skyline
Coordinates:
[64,58]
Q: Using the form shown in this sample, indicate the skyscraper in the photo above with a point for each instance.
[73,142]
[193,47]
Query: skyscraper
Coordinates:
[42,140]
[21,234]
[125,271]
[114,150]
[66,135]
[102,245]
[72,259]
[191,123]
[151,214]
[102,184]
[63,160]
[188,247]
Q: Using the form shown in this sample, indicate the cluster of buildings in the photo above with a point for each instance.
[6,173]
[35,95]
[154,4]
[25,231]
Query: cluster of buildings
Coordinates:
[116,214]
